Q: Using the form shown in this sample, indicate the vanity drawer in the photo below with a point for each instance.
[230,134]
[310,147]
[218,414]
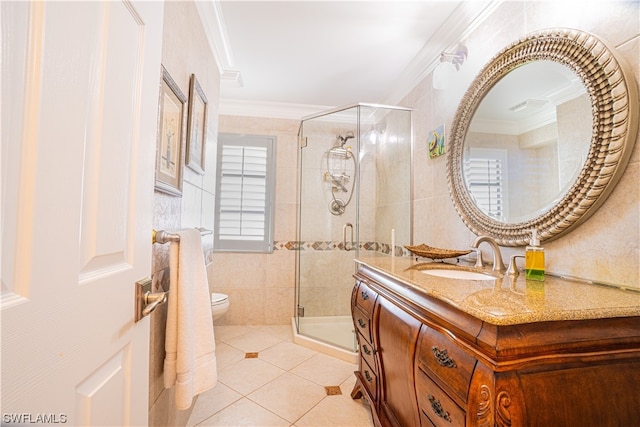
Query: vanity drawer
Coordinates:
[369,378]
[424,420]
[362,323]
[367,351]
[448,363]
[366,298]
[436,405]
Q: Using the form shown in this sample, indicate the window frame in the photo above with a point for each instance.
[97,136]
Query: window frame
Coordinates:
[265,244]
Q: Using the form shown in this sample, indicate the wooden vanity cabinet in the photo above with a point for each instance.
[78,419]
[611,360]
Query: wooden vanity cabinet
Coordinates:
[442,376]
[362,302]
[431,364]
[396,338]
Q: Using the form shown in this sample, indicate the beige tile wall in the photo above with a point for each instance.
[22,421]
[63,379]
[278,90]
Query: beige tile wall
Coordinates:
[185,51]
[393,178]
[605,247]
[261,287]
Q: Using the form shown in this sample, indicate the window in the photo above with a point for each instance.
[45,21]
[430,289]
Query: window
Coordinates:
[245,192]
[484,170]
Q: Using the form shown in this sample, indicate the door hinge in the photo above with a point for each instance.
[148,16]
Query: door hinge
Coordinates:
[300,311]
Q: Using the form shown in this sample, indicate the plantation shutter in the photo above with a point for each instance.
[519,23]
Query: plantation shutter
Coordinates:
[244,202]
[484,172]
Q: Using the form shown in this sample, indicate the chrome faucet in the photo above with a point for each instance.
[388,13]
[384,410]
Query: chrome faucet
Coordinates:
[513,267]
[498,265]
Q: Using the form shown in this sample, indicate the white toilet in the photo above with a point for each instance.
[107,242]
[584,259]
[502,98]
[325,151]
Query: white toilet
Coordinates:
[219,304]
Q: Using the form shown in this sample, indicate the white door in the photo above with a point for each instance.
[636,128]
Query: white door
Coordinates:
[80,84]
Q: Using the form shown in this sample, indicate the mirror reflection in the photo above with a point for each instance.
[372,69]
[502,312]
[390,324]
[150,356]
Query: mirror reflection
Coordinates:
[527,141]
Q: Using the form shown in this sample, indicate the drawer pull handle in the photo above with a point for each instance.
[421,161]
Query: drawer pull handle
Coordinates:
[367,351]
[438,409]
[365,296]
[362,323]
[443,358]
[367,376]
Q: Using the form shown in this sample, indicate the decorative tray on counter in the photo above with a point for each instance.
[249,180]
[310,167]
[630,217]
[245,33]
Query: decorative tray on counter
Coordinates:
[427,251]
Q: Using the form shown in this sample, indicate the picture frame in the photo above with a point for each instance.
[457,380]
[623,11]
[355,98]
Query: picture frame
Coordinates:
[436,142]
[196,126]
[171,136]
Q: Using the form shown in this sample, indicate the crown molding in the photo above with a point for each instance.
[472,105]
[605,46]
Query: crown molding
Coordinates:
[215,29]
[277,110]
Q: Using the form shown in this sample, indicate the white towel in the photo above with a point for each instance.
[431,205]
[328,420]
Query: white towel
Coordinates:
[190,360]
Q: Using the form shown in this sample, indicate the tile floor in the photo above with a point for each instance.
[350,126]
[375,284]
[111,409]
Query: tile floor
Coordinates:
[285,384]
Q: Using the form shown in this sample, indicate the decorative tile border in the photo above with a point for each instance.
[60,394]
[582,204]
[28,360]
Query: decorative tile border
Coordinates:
[328,245]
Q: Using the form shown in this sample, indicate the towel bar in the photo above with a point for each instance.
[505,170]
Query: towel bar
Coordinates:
[165,237]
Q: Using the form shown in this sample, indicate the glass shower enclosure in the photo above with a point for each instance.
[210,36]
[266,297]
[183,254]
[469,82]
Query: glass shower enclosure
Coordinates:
[355,192]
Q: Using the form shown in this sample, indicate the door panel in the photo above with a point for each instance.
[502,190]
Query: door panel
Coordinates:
[79,130]
[102,397]
[112,123]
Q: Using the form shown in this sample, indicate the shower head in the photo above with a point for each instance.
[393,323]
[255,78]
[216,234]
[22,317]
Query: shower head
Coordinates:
[343,139]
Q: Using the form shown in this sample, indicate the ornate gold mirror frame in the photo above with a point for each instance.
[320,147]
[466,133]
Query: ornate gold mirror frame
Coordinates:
[614,99]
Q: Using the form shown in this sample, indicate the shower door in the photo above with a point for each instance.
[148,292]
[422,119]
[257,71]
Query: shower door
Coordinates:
[328,227]
[355,193]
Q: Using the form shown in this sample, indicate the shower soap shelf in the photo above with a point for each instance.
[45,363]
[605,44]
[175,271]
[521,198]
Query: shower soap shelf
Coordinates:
[427,251]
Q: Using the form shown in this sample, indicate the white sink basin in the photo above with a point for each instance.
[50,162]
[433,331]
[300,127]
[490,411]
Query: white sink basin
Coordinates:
[458,274]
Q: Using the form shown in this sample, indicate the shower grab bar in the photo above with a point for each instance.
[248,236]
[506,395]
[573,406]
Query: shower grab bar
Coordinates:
[344,236]
[165,237]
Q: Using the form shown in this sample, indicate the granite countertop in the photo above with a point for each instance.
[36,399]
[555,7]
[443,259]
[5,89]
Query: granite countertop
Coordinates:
[508,300]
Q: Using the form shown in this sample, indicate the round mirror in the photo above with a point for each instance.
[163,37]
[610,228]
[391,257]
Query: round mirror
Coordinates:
[527,141]
[541,137]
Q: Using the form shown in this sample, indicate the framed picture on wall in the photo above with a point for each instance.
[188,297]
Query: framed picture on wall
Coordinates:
[196,127]
[171,136]
[436,141]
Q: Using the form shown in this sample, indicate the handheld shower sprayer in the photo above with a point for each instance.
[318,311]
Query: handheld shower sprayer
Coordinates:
[340,172]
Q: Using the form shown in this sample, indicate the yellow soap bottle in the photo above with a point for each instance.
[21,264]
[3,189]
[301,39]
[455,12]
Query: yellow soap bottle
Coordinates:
[534,259]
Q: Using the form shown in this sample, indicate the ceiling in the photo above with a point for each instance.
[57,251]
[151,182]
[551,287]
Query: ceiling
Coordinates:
[314,55]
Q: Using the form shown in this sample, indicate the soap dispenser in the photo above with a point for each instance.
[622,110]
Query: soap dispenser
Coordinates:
[534,259]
